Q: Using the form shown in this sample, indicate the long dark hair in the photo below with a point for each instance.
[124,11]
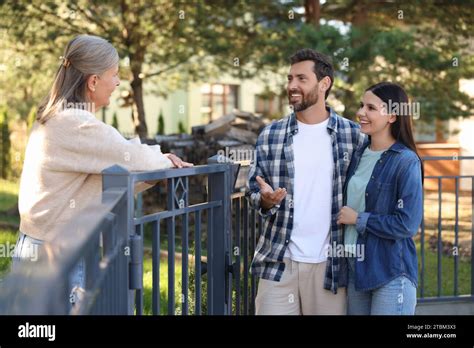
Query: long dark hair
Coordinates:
[401,129]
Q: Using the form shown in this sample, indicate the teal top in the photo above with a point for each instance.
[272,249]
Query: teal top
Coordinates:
[356,194]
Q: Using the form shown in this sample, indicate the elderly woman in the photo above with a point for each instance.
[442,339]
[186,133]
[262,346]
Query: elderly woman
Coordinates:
[69,148]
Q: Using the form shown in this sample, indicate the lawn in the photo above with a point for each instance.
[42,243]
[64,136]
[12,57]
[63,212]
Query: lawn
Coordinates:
[8,194]
[7,239]
[8,236]
[148,285]
[447,274]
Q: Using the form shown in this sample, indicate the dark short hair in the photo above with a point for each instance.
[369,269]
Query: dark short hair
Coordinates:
[322,64]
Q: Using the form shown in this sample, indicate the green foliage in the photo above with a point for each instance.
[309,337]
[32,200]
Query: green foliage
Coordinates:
[115,121]
[31,118]
[181,127]
[161,124]
[8,194]
[7,238]
[5,156]
[424,47]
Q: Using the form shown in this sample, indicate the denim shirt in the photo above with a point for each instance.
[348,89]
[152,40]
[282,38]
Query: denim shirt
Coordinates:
[393,214]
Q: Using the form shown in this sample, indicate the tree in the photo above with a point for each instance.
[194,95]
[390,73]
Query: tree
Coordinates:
[418,46]
[173,41]
[424,48]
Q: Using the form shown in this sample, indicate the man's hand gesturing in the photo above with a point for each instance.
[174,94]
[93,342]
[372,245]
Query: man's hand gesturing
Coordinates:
[270,198]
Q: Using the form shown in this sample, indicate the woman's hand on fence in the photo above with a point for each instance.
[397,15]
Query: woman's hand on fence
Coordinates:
[347,216]
[178,162]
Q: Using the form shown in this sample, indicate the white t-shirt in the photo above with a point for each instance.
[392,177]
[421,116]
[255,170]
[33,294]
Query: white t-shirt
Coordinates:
[314,166]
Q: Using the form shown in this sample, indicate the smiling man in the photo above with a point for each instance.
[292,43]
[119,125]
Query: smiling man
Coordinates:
[296,183]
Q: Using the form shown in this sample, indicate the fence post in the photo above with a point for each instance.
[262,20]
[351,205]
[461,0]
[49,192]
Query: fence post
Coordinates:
[118,177]
[218,257]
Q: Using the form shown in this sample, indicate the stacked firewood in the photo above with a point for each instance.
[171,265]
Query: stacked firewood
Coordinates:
[230,134]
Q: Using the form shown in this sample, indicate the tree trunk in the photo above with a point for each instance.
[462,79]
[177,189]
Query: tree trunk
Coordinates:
[440,129]
[359,21]
[359,11]
[133,41]
[138,108]
[312,12]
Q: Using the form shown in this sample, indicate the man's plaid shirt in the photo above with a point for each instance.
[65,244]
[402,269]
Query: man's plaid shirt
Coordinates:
[274,162]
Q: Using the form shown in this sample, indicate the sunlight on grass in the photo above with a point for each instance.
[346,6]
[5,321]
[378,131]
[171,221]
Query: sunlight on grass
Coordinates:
[7,241]
[8,194]
[148,285]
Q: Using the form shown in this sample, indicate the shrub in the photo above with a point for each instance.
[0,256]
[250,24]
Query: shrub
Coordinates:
[5,159]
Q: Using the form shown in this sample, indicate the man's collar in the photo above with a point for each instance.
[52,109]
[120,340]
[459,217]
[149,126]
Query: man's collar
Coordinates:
[332,123]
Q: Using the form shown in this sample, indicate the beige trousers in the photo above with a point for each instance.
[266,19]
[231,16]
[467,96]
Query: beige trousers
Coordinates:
[299,291]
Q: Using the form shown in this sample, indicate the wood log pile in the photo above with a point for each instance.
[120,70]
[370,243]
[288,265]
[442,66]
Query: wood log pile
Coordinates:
[232,133]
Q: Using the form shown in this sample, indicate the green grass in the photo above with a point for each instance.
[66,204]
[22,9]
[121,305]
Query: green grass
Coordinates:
[8,194]
[447,274]
[148,285]
[8,198]
[7,241]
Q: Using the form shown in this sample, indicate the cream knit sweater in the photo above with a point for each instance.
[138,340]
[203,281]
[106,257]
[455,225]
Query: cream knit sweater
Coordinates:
[62,170]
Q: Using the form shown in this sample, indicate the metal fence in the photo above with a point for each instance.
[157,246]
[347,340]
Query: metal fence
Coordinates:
[110,239]
[220,280]
[216,242]
[439,236]
[97,238]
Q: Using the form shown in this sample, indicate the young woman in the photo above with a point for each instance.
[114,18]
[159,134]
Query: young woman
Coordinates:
[69,148]
[383,207]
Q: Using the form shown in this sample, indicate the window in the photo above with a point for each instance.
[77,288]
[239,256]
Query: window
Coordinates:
[431,131]
[269,105]
[218,99]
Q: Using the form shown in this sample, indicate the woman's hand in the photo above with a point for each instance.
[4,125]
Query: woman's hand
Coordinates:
[178,162]
[347,216]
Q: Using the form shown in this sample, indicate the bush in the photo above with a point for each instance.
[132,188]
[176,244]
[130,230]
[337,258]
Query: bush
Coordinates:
[181,128]
[161,124]
[5,159]
[115,121]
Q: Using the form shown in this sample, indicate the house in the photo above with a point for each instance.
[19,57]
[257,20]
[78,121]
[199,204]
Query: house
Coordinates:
[200,103]
[453,138]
